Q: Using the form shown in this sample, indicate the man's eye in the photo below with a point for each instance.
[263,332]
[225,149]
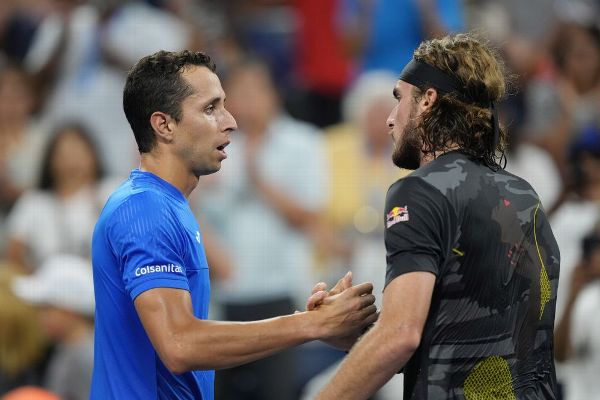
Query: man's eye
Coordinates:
[210,109]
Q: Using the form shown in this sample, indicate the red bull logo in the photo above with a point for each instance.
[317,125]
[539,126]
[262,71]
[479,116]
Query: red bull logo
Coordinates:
[397,214]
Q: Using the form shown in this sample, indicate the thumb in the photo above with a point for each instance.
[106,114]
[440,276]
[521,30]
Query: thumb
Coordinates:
[347,281]
[342,284]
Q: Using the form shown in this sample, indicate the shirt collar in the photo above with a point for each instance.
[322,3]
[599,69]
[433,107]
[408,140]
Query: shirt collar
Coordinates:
[156,181]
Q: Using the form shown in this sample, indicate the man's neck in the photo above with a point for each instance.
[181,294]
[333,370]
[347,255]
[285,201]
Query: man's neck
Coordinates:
[429,157]
[169,169]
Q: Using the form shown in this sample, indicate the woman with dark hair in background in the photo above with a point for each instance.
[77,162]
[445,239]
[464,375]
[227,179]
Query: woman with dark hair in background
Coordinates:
[59,216]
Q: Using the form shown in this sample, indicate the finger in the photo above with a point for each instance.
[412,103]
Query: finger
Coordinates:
[366,300]
[347,281]
[370,320]
[367,312]
[315,300]
[319,287]
[344,283]
[361,289]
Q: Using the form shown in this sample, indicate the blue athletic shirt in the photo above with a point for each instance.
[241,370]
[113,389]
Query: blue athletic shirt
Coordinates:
[146,237]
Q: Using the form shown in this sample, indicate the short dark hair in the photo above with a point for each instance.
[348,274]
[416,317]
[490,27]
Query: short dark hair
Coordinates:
[155,84]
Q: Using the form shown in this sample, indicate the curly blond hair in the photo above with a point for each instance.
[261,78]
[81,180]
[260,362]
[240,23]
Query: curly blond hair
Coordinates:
[482,73]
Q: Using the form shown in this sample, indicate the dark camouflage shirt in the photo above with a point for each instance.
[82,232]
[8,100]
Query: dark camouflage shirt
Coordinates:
[487,239]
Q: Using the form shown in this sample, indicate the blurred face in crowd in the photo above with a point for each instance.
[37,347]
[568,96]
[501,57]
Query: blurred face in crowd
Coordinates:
[582,59]
[73,158]
[403,128]
[203,132]
[251,96]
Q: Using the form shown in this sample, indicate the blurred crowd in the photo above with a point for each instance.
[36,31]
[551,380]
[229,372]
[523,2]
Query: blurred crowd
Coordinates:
[300,197]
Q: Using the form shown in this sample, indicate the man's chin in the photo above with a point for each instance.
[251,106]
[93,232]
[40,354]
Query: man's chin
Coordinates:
[208,170]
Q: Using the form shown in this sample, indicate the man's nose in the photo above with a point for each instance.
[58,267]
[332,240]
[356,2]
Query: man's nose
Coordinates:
[390,119]
[229,124]
[390,122]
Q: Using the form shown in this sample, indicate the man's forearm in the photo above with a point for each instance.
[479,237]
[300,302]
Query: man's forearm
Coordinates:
[186,343]
[373,361]
[216,345]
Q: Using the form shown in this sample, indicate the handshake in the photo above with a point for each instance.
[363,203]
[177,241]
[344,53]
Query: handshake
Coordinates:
[342,314]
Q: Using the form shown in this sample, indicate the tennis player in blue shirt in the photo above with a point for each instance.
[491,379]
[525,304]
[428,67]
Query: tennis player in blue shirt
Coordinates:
[152,338]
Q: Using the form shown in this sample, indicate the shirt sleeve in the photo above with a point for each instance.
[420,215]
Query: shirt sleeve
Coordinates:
[420,226]
[147,239]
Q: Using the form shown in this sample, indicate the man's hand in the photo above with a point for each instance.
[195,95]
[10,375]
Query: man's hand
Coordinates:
[321,296]
[319,291]
[346,313]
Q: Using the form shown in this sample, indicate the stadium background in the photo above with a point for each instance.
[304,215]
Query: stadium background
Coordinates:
[317,73]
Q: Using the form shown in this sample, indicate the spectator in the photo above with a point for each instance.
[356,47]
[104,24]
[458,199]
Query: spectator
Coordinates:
[59,216]
[579,208]
[21,140]
[575,213]
[323,67]
[577,341]
[268,29]
[80,54]
[18,22]
[63,291]
[563,105]
[263,202]
[503,20]
[375,27]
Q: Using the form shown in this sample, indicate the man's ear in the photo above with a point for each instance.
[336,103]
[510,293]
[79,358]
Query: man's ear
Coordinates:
[163,125]
[428,98]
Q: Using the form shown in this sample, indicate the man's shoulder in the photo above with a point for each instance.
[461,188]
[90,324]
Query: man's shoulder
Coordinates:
[128,203]
[454,170]
[415,187]
[437,174]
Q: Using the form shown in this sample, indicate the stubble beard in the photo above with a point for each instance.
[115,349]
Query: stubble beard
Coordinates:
[407,151]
